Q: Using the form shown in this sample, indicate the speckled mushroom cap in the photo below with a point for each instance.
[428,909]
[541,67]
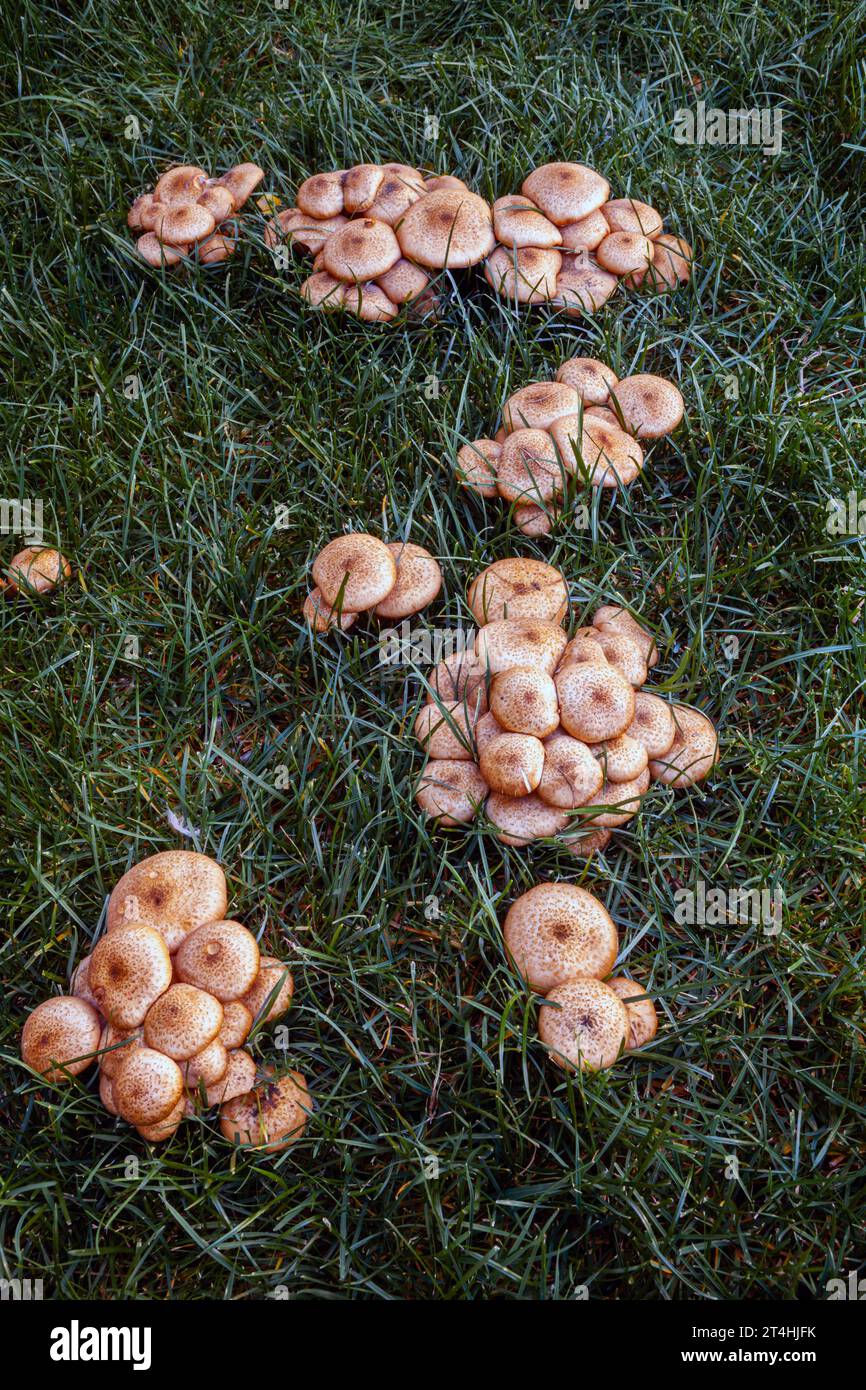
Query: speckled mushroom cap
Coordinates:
[115,1044]
[184,223]
[518,588]
[529,469]
[460,676]
[419,580]
[360,186]
[523,700]
[653,724]
[437,182]
[236,1024]
[172,891]
[584,842]
[526,274]
[610,457]
[240,181]
[219,957]
[583,647]
[522,819]
[671,265]
[476,466]
[624,654]
[360,251]
[273,975]
[448,227]
[271,1117]
[595,702]
[621,759]
[589,378]
[621,801]
[216,249]
[693,753]
[518,222]
[321,616]
[451,791]
[106,1094]
[566,192]
[369,303]
[609,617]
[357,569]
[146,1086]
[534,520]
[60,1037]
[321,195]
[163,1129]
[129,969]
[535,407]
[321,291]
[556,931]
[624,253]
[181,184]
[582,287]
[629,215]
[651,406]
[571,775]
[238,1078]
[143,206]
[445,731]
[643,1021]
[512,764]
[218,201]
[79,985]
[301,229]
[401,186]
[487,729]
[584,1024]
[206,1067]
[520,642]
[586,233]
[37,568]
[182,1021]
[404,281]
[158,253]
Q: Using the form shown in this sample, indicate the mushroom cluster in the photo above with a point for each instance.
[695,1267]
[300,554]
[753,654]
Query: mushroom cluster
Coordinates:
[377,232]
[563,942]
[585,428]
[553,738]
[164,1004]
[37,569]
[565,242]
[357,573]
[190,214]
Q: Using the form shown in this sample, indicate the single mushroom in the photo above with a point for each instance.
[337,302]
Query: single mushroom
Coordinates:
[238,1078]
[595,702]
[401,186]
[206,1067]
[518,222]
[172,891]
[586,233]
[270,1117]
[653,724]
[624,253]
[619,802]
[163,1129]
[183,223]
[476,466]
[115,1044]
[693,753]
[460,676]
[445,731]
[141,207]
[404,282]
[556,931]
[583,647]
[240,182]
[624,655]
[591,379]
[609,617]
[671,265]
[360,186]
[447,228]
[181,184]
[322,617]
[146,1086]
[369,303]
[512,764]
[524,701]
[529,468]
[182,1021]
[525,274]
[361,251]
[60,1037]
[158,253]
[322,195]
[271,995]
[651,406]
[511,642]
[236,1024]
[129,970]
[451,791]
[582,287]
[620,759]
[566,192]
[643,1021]
[518,588]
[584,1024]
[628,215]
[36,570]
[419,580]
[521,819]
[321,291]
[216,249]
[584,842]
[532,520]
[571,775]
[355,572]
[608,456]
[218,201]
[535,407]
[438,182]
[221,958]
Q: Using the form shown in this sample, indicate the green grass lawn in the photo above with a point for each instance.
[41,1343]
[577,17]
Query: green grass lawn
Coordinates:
[418,1040]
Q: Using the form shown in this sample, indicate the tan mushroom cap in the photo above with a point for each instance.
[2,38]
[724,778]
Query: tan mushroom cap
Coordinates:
[182,1021]
[173,891]
[609,456]
[356,571]
[526,274]
[451,791]
[518,222]
[419,580]
[106,1094]
[511,642]
[523,700]
[603,413]
[583,647]
[583,288]
[621,801]
[146,1086]
[535,407]
[369,303]
[301,229]
[218,201]
[238,1078]
[486,730]
[448,227]
[610,617]
[182,184]
[206,1067]
[321,616]
[586,233]
[693,753]
[629,215]
[522,819]
[534,520]
[476,466]
[437,183]
[584,1024]
[216,249]
[219,957]
[80,984]
[322,194]
[518,588]
[620,759]
[671,265]
[589,378]
[183,223]
[401,186]
[240,181]
[595,702]
[512,764]
[37,569]
[141,206]
[273,975]
[158,253]
[270,1117]
[60,1037]
[556,931]
[623,253]
[361,250]
[446,731]
[236,1024]
[360,186]
[115,1044]
[653,724]
[566,192]
[321,291]
[163,1129]
[128,972]
[624,654]
[150,212]
[571,775]
[643,1021]
[460,676]
[583,843]
[651,406]
[529,469]
[404,281]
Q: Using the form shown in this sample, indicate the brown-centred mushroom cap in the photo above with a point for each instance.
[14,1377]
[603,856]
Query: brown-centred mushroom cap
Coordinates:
[584,646]
[321,195]
[524,701]
[299,228]
[451,791]
[608,456]
[163,1129]
[129,970]
[643,1021]
[532,520]
[404,281]
[219,957]
[448,227]
[321,291]
[693,753]
[556,931]
[361,250]
[624,253]
[620,801]
[206,1067]
[671,265]
[360,186]
[526,274]
[150,213]
[183,223]
[521,819]
[476,466]
[445,731]
[566,192]
[218,201]
[238,1078]
[586,233]
[584,1024]
[60,1037]
[571,775]
[369,303]
[511,642]
[651,406]
[582,287]
[182,1021]
[172,891]
[272,991]
[629,215]
[595,702]
[535,407]
[460,676]
[240,182]
[419,580]
[355,572]
[37,569]
[270,1117]
[518,587]
[624,654]
[529,468]
[182,184]
[589,378]
[236,1024]
[437,183]
[610,617]
[146,1086]
[518,222]
[653,724]
[321,616]
[620,759]
[512,764]
[158,253]
[216,249]
[115,1044]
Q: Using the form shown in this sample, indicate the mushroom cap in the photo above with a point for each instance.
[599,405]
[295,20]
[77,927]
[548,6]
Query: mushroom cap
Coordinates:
[106,1094]
[556,931]
[438,182]
[158,253]
[206,1067]
[419,580]
[218,201]
[511,642]
[37,569]
[357,569]
[60,1037]
[653,724]
[310,234]
[216,249]
[240,181]
[236,1024]
[182,1021]
[643,1021]
[404,281]
[535,407]
[524,701]
[321,195]
[273,975]
[219,957]
[610,617]
[529,469]
[622,798]
[651,406]
[321,616]
[571,775]
[146,1086]
[609,456]
[586,233]
[486,730]
[80,984]
[172,891]
[360,186]
[111,1053]
[451,791]
[518,588]
[583,287]
[369,303]
[534,520]
[624,253]
[628,215]
[583,842]
[584,648]
[445,731]
[620,759]
[522,819]
[401,186]
[460,676]
[183,223]
[141,205]
[163,1129]
[512,764]
[693,753]
[321,291]
[595,702]
[181,184]
[587,1026]
[238,1078]
[526,274]
[270,1117]
[128,971]
[601,412]
[624,655]
[361,250]
[566,192]
[518,222]
[590,378]
[448,227]
[671,265]
[150,212]
[476,466]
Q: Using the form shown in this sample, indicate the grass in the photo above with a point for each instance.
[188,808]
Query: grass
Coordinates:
[417,1038]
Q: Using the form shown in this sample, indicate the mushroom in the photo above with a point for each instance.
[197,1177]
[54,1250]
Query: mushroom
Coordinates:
[653,724]
[583,647]
[518,588]
[236,1024]
[60,1037]
[298,227]
[271,995]
[142,206]
[206,1067]
[218,201]
[182,223]
[535,407]
[216,249]
[523,700]
[595,702]
[584,1024]
[322,195]
[590,378]
[693,753]
[128,971]
[37,569]
[238,1078]
[419,580]
[322,291]
[240,182]
[512,764]
[163,1129]
[451,791]
[271,1117]
[447,227]
[624,655]
[651,406]
[181,184]
[525,274]
[522,819]
[476,466]
[583,287]
[643,1021]
[172,891]
[556,931]
[114,1046]
[534,520]
[321,616]
[566,192]
[486,730]
[511,642]
[518,222]
[671,265]
[106,1094]
[628,215]
[624,253]
[586,233]
[404,282]
[221,958]
[460,676]
[369,303]
[147,1086]
[620,800]
[437,182]
[529,469]
[182,1022]
[360,186]
[355,572]
[401,186]
[621,759]
[612,618]
[583,843]
[157,253]
[80,984]
[571,775]
[608,455]
[361,251]
[445,731]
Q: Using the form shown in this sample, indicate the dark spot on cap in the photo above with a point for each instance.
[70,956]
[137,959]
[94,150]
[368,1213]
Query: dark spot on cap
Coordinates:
[560,931]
